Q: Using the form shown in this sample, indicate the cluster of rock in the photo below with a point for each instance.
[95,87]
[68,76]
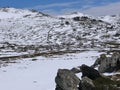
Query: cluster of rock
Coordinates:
[91,79]
[108,64]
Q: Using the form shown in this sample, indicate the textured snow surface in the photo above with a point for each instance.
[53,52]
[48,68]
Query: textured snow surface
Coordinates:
[40,75]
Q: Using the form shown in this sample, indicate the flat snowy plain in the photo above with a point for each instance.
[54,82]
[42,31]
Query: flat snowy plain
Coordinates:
[27,74]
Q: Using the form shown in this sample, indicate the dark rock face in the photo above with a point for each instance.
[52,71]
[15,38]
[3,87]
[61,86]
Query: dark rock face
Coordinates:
[108,64]
[87,84]
[89,72]
[105,83]
[66,80]
[117,65]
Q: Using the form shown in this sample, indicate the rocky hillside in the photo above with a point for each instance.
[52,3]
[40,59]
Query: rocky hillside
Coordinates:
[24,30]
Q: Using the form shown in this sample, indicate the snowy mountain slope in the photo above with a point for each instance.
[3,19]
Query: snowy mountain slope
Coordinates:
[114,20]
[110,18]
[28,29]
[24,26]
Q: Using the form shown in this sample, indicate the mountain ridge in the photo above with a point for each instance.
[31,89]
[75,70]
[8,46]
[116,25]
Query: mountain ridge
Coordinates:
[27,28]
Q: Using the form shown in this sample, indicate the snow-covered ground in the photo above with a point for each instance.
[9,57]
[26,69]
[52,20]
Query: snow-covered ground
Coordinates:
[27,74]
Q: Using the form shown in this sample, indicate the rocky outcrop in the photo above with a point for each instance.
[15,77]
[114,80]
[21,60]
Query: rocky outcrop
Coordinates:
[91,80]
[66,80]
[101,83]
[89,72]
[108,64]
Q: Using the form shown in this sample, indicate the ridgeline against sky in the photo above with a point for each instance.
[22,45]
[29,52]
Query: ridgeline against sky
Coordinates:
[92,7]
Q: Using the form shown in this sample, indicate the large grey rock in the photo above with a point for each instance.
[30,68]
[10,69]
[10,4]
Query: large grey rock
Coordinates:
[108,64]
[66,80]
